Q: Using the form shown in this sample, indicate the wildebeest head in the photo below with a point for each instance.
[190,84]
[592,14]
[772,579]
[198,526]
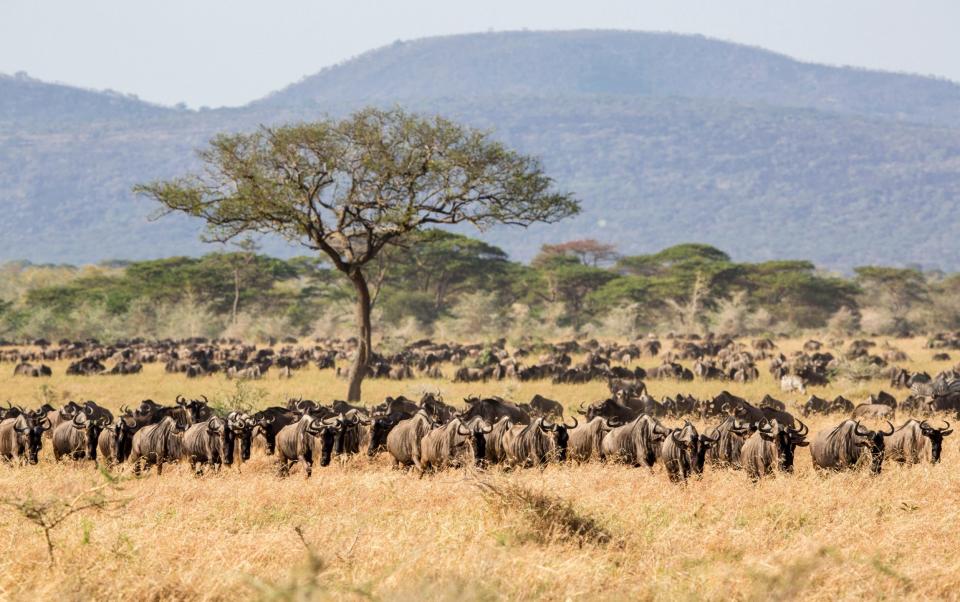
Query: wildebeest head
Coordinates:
[936,438]
[220,430]
[561,435]
[198,409]
[381,427]
[787,439]
[436,408]
[704,443]
[123,430]
[30,435]
[242,426]
[874,442]
[92,424]
[477,431]
[329,433]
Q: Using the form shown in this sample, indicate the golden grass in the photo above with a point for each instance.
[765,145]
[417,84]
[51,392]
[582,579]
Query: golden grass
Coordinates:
[372,532]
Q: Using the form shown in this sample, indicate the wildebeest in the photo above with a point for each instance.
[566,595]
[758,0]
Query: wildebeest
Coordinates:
[913,441]
[683,451]
[25,369]
[78,437]
[876,411]
[208,443]
[771,447]
[611,409]
[492,409]
[730,435]
[21,437]
[116,440]
[453,444]
[843,446]
[748,412]
[539,442]
[495,441]
[296,443]
[547,408]
[270,422]
[403,442]
[157,444]
[585,440]
[636,442]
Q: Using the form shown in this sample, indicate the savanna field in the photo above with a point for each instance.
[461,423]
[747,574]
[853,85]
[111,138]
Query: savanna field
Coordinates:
[360,529]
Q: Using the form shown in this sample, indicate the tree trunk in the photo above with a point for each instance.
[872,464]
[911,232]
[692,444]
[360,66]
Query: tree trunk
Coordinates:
[236,293]
[359,368]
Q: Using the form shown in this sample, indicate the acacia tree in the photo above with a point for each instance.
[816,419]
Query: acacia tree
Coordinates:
[350,188]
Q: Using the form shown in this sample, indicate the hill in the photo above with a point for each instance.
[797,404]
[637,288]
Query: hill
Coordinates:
[666,139]
[621,63]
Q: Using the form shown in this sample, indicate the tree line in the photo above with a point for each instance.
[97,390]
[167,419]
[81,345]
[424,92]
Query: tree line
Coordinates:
[447,284]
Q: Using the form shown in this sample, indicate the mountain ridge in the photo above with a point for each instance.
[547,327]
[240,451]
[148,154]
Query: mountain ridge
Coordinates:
[656,158]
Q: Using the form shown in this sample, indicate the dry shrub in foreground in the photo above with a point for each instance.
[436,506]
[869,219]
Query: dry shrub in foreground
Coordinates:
[549,518]
[50,512]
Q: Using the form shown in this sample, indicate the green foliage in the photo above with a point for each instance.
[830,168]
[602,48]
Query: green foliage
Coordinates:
[455,286]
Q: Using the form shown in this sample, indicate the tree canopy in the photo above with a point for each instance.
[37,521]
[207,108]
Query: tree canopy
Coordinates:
[350,188]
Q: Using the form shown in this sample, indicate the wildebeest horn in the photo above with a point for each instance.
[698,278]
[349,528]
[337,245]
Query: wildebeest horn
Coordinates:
[673,435]
[460,430]
[575,424]
[612,424]
[205,400]
[486,431]
[892,429]
[803,430]
[79,425]
[860,431]
[706,437]
[181,400]
[88,410]
[546,426]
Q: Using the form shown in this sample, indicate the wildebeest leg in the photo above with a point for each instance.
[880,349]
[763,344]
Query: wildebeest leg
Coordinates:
[307,465]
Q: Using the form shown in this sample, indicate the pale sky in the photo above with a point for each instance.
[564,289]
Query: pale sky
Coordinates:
[229,52]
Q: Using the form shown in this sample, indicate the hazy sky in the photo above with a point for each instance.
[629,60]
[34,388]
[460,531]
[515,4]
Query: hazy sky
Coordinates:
[228,52]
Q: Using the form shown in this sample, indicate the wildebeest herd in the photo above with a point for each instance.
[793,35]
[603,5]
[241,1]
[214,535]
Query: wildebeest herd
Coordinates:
[628,427]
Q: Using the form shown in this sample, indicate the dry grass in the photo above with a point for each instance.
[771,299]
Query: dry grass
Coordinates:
[362,530]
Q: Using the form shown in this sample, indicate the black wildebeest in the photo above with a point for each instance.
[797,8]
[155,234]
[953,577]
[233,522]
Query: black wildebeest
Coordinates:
[843,446]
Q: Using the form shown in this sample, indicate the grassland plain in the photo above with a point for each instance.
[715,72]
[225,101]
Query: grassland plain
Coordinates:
[360,529]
